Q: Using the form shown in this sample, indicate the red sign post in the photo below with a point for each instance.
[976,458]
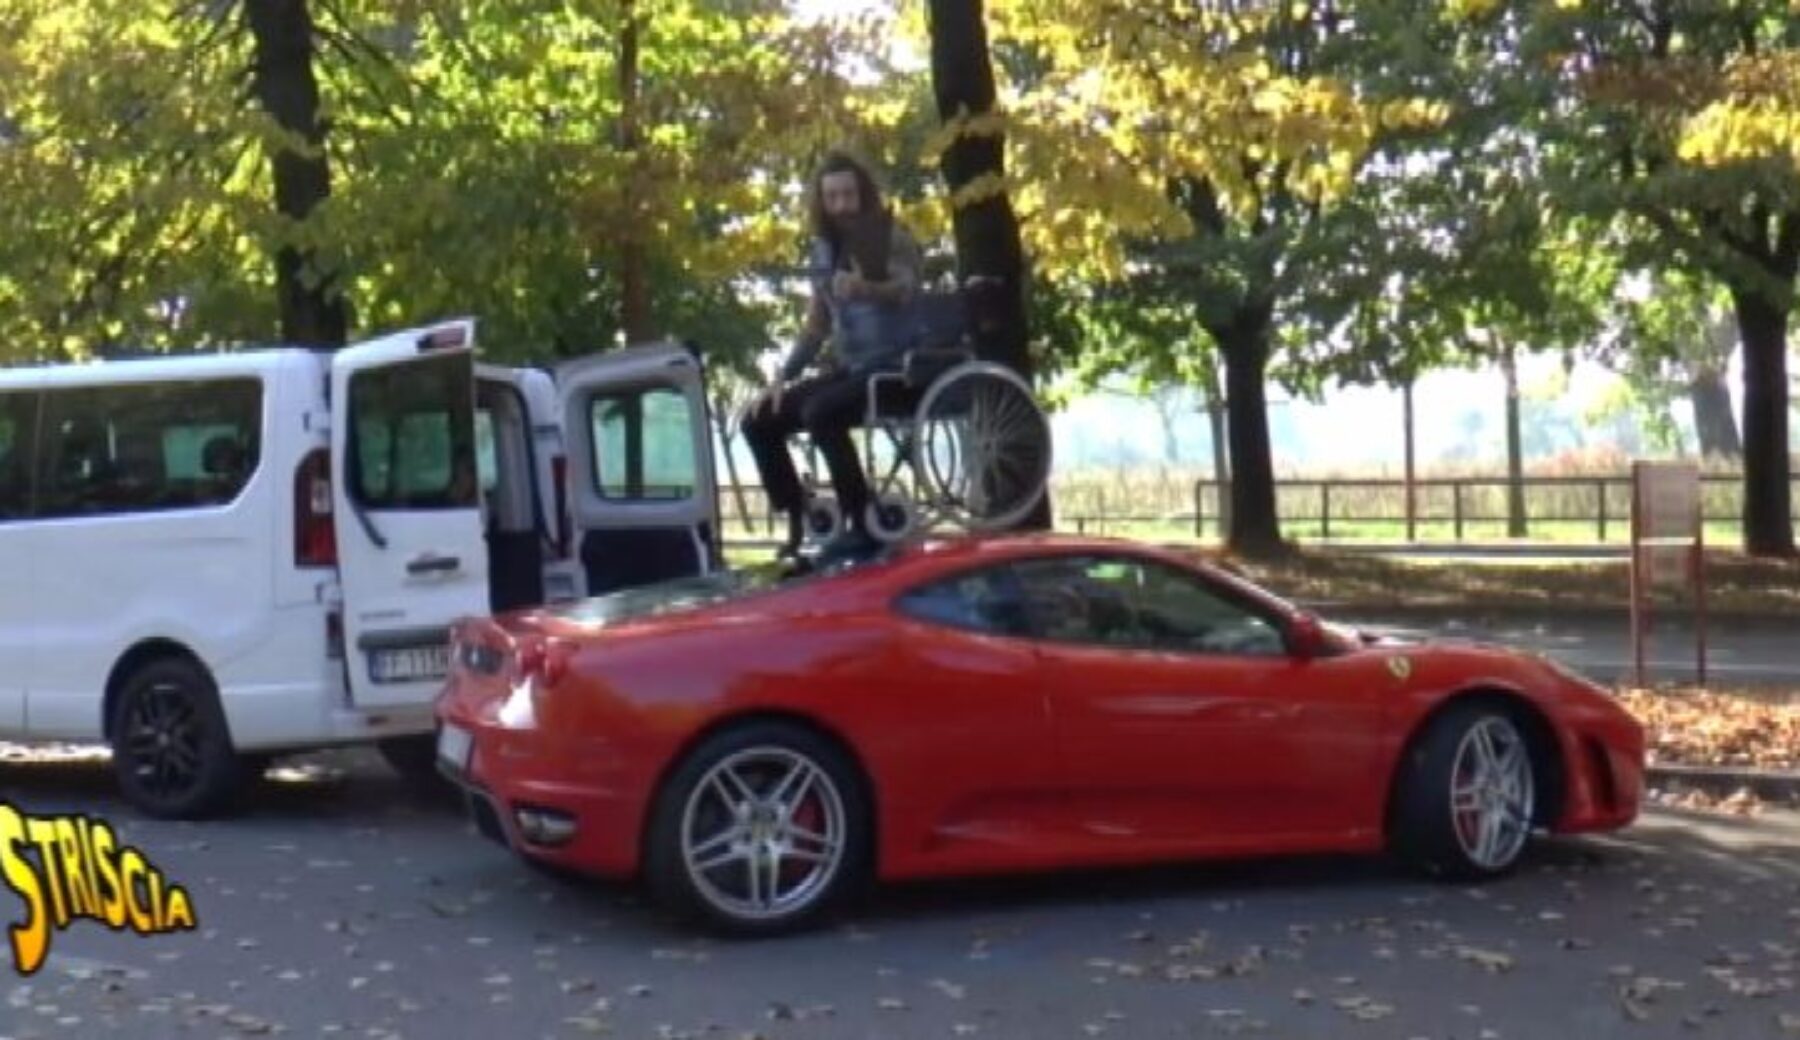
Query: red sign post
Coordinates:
[1668,549]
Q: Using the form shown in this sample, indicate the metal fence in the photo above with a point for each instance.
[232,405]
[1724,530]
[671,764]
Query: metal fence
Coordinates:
[1563,508]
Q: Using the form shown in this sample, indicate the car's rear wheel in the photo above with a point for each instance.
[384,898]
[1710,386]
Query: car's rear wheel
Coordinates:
[760,830]
[1467,794]
[171,747]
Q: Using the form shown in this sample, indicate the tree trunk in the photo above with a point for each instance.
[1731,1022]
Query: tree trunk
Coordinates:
[1412,493]
[1255,526]
[1713,421]
[1168,418]
[1768,501]
[986,228]
[313,310]
[634,284]
[1215,418]
[1515,462]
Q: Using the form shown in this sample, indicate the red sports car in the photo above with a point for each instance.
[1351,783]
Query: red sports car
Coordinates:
[756,748]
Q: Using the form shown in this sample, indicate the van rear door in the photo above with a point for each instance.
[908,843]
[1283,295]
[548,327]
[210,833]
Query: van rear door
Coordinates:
[407,507]
[642,498]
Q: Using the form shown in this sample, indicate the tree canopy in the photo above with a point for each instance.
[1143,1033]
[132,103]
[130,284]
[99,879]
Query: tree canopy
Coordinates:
[1217,195]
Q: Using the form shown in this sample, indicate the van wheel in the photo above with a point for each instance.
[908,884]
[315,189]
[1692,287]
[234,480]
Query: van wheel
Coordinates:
[413,757]
[171,749]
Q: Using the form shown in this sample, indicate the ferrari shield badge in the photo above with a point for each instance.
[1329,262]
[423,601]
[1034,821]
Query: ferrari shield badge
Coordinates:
[1401,667]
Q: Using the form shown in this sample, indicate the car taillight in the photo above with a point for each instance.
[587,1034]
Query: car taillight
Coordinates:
[559,484]
[315,539]
[547,660]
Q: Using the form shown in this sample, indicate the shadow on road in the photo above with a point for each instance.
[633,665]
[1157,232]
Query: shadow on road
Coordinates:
[324,785]
[355,790]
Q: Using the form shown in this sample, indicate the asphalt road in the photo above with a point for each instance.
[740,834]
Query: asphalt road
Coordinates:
[1739,651]
[342,905]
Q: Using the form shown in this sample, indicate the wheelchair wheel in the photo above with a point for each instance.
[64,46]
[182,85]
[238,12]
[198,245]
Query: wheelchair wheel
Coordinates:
[983,449]
[889,518]
[823,518]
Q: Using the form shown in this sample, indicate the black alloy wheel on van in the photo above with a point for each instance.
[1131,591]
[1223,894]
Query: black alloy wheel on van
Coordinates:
[171,748]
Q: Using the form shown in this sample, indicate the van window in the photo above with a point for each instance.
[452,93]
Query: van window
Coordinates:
[143,447]
[486,465]
[412,434]
[644,444]
[18,422]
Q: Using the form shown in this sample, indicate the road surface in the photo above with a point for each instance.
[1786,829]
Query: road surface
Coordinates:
[1739,652]
[342,904]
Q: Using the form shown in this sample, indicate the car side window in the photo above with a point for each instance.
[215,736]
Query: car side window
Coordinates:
[980,601]
[1136,604]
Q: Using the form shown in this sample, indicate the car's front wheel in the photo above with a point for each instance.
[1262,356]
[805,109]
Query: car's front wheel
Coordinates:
[759,830]
[1467,794]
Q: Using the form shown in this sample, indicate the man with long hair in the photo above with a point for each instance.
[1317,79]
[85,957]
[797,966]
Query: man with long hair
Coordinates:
[865,270]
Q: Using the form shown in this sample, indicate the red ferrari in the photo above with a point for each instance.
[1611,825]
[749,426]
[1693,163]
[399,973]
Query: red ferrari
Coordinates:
[755,749]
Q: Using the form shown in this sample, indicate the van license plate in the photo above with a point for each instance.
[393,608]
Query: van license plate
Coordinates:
[453,746]
[411,664]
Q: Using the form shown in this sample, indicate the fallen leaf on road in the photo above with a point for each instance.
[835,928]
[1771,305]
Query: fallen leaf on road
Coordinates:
[1717,728]
[1363,1008]
[1492,961]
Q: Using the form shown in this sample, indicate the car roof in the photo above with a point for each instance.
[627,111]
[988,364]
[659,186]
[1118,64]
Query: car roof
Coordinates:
[150,368]
[922,558]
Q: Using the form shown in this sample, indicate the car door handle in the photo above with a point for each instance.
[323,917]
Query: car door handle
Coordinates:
[432,564]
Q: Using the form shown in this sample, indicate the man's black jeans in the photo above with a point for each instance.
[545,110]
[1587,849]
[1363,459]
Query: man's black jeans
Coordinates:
[828,408]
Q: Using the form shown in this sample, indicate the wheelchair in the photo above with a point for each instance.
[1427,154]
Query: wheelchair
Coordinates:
[949,440]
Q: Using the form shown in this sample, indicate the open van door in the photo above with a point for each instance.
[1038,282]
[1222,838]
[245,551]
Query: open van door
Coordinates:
[407,507]
[642,498]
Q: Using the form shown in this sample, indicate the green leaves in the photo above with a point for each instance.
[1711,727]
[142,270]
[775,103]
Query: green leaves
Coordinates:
[475,164]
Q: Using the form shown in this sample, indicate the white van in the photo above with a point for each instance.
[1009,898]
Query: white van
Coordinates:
[207,561]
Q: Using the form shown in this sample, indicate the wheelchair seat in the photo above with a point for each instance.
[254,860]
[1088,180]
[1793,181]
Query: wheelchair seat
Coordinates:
[924,365]
[966,441]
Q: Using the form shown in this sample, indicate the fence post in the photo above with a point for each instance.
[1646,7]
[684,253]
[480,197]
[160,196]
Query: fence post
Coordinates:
[1325,510]
[1456,503]
[1600,486]
[1199,510]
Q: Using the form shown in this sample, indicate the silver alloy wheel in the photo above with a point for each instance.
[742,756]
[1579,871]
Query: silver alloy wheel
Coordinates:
[1492,793]
[762,834]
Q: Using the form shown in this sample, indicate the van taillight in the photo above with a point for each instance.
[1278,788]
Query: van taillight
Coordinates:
[559,484]
[315,540]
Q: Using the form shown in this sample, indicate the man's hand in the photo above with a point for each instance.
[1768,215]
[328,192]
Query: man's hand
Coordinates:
[849,285]
[770,398]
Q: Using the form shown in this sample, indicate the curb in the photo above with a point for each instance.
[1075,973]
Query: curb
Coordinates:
[1770,785]
[1475,611]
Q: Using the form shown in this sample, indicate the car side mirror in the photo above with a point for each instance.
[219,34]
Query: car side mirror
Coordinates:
[1306,637]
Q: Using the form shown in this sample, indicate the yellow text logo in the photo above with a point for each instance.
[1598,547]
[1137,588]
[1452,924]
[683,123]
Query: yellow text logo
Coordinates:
[70,868]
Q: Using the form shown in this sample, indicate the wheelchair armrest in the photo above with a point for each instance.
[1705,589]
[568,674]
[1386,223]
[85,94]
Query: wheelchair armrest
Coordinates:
[924,364]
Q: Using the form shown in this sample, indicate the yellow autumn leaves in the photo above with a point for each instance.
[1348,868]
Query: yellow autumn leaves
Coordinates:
[1119,100]
[1758,116]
